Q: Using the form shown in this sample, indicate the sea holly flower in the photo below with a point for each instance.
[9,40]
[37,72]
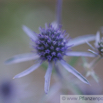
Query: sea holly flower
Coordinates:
[97,50]
[51,45]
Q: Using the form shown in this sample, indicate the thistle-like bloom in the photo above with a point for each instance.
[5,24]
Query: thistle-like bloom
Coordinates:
[51,45]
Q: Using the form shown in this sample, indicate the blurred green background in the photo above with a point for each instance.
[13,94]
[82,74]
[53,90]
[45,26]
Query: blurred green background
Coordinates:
[79,17]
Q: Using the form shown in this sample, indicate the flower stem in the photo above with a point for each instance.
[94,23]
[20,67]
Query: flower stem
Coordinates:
[94,62]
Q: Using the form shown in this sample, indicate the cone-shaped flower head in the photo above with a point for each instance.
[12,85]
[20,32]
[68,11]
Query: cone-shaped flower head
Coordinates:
[51,44]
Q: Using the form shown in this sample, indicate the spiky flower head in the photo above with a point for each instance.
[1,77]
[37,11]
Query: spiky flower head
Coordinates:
[51,43]
[98,49]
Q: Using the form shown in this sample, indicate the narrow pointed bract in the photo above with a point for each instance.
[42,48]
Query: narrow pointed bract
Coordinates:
[59,12]
[29,32]
[73,71]
[93,52]
[97,39]
[22,57]
[90,45]
[81,40]
[47,78]
[29,70]
[80,54]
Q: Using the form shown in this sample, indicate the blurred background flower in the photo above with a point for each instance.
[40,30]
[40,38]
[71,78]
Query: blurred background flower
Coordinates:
[79,18]
[13,91]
